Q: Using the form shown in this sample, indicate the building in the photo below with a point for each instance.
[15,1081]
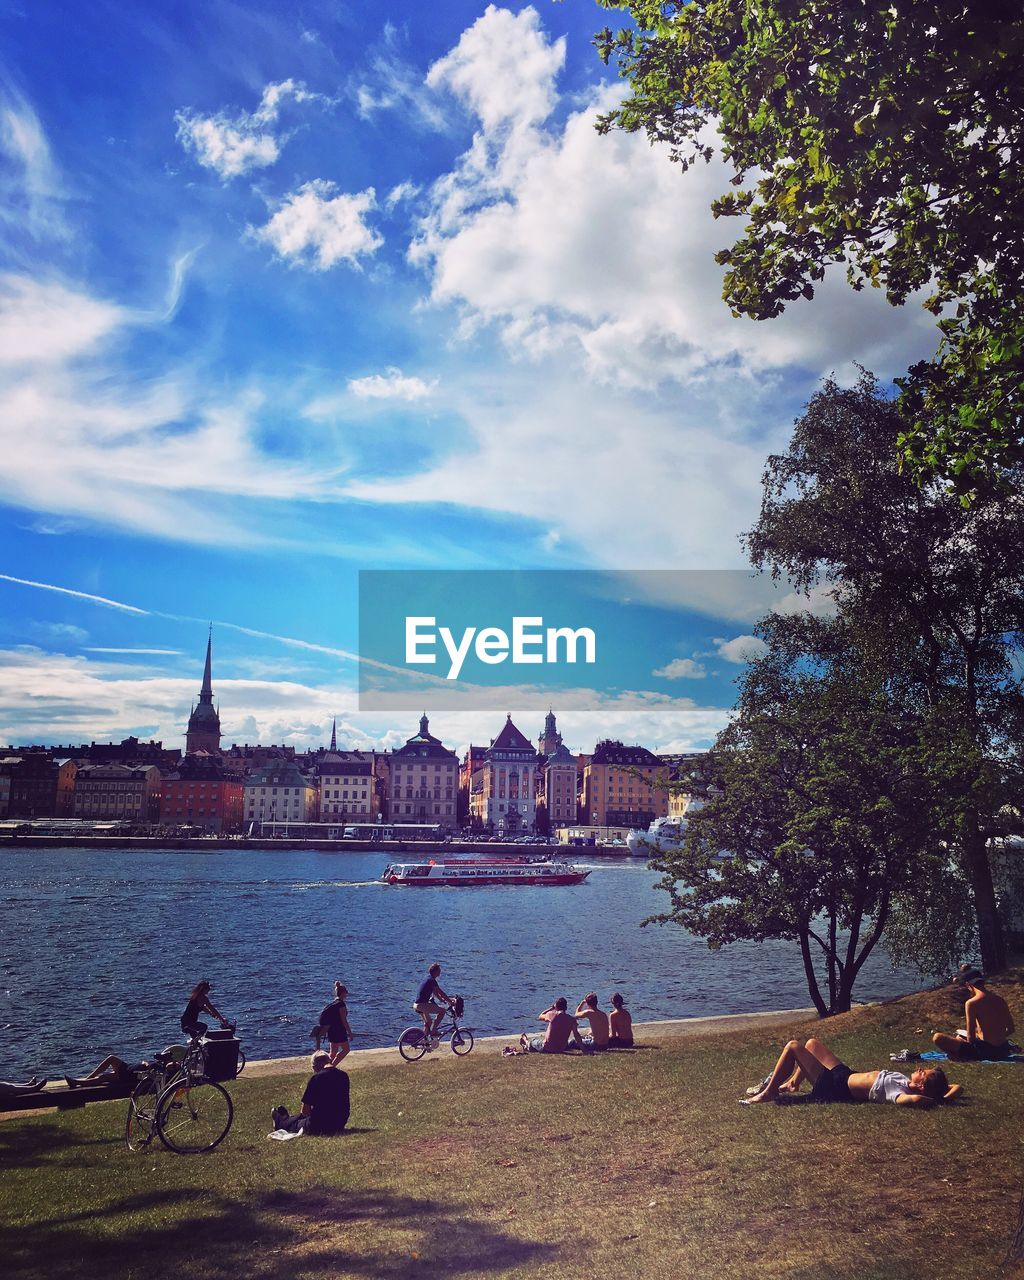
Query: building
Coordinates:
[200,794]
[41,786]
[204,722]
[347,787]
[557,780]
[503,792]
[241,761]
[623,787]
[117,792]
[279,792]
[424,781]
[472,762]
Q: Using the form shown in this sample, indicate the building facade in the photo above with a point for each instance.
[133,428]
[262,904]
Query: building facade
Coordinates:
[623,787]
[424,781]
[347,787]
[503,792]
[200,794]
[279,792]
[117,792]
[40,786]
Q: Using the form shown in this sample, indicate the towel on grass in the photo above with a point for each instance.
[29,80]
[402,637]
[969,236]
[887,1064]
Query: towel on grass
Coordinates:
[284,1135]
[936,1055]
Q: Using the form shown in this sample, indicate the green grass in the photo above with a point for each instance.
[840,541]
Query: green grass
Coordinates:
[635,1164]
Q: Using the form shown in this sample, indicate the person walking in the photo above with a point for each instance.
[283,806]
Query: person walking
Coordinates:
[334,1020]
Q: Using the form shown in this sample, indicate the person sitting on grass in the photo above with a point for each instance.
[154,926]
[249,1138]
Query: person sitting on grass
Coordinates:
[621,1025]
[325,1104]
[833,1081]
[989,1023]
[598,1019]
[562,1030]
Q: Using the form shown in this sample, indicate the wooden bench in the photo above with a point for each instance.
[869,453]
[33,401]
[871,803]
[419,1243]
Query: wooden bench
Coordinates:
[63,1098]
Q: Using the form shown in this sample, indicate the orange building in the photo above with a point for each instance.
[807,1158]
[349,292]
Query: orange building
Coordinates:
[623,787]
[200,794]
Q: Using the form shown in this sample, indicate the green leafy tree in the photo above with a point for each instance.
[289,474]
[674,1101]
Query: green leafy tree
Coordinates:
[933,591]
[822,798]
[885,138]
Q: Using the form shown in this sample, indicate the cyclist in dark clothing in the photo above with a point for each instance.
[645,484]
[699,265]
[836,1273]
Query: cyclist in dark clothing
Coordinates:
[325,1102]
[199,1002]
[425,1004]
[334,1020]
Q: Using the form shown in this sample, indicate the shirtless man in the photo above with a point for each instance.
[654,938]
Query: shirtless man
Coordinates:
[561,1030]
[989,1023]
[598,1019]
[833,1081]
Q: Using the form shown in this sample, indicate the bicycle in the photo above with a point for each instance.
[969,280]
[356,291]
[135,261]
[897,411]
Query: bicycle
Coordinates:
[175,1100]
[140,1123]
[414,1042]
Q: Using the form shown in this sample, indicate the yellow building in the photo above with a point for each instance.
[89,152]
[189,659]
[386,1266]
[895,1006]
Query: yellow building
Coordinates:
[623,787]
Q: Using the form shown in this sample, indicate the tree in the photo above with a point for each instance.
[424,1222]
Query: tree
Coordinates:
[932,589]
[821,795]
[886,138]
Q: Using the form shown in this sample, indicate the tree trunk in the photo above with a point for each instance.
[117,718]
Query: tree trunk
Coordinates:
[809,974]
[979,871]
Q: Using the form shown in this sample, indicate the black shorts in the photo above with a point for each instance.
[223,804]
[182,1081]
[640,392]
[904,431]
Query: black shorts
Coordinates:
[979,1051]
[831,1085]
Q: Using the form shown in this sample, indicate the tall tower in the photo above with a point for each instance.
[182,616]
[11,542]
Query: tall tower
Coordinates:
[550,740]
[204,722]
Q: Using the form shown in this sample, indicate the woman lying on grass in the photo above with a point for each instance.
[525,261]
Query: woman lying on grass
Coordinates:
[833,1081]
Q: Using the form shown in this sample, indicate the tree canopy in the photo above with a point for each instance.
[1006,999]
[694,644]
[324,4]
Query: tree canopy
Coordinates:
[885,138]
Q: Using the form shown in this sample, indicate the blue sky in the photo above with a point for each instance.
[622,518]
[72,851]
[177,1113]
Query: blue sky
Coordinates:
[287,292]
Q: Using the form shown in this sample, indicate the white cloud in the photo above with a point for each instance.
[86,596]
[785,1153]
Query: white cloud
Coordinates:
[317,229]
[503,68]
[392,385]
[233,145]
[32,192]
[599,248]
[741,649]
[44,321]
[681,669]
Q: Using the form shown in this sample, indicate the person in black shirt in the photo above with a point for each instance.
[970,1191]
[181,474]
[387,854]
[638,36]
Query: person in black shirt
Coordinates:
[334,1020]
[425,1004]
[199,1002]
[325,1104]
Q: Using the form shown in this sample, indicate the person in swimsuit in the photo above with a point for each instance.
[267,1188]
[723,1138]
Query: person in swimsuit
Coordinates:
[112,1070]
[334,1019]
[561,1033]
[833,1081]
[621,1025]
[199,1002]
[989,1023]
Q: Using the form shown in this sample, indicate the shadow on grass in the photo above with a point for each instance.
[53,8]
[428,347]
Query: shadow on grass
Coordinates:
[32,1146]
[285,1233]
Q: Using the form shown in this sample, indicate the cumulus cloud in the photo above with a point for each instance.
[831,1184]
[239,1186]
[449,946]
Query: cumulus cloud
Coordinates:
[231,145]
[317,229]
[392,385]
[681,669]
[568,241]
[741,649]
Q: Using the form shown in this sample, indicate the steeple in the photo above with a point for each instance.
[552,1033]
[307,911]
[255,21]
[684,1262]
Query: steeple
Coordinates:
[204,722]
[334,734]
[550,740]
[424,726]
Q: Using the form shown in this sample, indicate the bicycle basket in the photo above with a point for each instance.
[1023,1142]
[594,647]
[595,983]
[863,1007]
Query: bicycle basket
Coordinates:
[460,1006]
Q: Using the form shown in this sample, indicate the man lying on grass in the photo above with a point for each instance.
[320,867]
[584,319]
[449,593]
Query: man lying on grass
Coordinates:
[833,1081]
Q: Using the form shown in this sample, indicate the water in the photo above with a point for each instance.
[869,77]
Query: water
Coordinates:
[99,950]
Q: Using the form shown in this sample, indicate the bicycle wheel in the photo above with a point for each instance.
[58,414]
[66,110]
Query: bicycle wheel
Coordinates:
[193,1117]
[462,1041]
[412,1044]
[140,1124]
[241,1063]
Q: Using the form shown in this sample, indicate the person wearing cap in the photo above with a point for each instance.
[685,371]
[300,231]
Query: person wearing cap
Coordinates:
[989,1023]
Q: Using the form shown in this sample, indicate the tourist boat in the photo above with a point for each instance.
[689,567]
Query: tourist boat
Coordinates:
[483,871]
[664,834]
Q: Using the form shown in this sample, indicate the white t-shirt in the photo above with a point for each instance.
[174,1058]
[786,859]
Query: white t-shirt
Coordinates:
[888,1086]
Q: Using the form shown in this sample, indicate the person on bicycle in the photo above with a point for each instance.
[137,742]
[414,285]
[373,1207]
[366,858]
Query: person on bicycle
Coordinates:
[426,1006]
[334,1019]
[199,1002]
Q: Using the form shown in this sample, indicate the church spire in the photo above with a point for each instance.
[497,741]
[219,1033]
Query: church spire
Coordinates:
[334,734]
[207,670]
[204,723]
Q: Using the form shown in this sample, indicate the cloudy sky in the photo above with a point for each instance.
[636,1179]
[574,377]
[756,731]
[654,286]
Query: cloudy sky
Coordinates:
[287,292]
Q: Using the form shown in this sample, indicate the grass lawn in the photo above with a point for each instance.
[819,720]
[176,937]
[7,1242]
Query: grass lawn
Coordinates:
[625,1164]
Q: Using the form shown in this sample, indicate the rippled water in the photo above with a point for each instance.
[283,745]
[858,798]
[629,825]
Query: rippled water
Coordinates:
[100,950]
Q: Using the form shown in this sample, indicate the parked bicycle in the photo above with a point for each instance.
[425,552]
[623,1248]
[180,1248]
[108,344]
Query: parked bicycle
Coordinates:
[414,1042]
[177,1102]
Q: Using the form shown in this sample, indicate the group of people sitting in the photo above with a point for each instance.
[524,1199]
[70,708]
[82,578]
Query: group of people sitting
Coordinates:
[606,1030]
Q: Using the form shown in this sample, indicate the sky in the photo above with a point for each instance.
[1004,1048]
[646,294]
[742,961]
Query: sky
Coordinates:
[290,292]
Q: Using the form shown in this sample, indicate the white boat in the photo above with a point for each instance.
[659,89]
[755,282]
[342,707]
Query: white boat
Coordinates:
[449,872]
[663,834]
